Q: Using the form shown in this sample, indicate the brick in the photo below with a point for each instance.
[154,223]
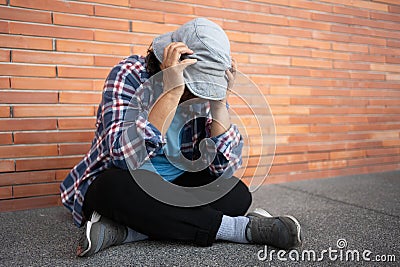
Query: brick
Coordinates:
[7,165]
[26,42]
[351,11]
[166,7]
[148,27]
[350,47]
[367,76]
[122,37]
[292,129]
[79,98]
[259,80]
[309,5]
[47,164]
[347,154]
[177,18]
[29,203]
[28,97]
[333,164]
[106,61]
[21,14]
[216,13]
[290,12]
[330,55]
[368,40]
[330,36]
[247,6]
[4,111]
[350,66]
[391,59]
[52,111]
[384,16]
[288,51]
[52,137]
[76,124]
[127,13]
[394,9]
[82,72]
[267,59]
[367,58]
[5,138]
[268,39]
[139,50]
[250,48]
[51,58]
[36,190]
[111,2]
[332,18]
[56,5]
[27,70]
[74,149]
[384,51]
[246,27]
[92,47]
[50,30]
[289,31]
[391,77]
[90,22]
[51,83]
[16,151]
[26,177]
[296,158]
[5,192]
[304,62]
[309,43]
[4,82]
[309,24]
[4,27]
[393,43]
[27,124]
[238,37]
[61,174]
[382,151]
[385,67]
[5,55]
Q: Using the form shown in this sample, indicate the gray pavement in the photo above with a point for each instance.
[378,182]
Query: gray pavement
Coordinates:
[361,212]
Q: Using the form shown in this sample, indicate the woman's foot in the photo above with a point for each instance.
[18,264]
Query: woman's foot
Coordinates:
[282,231]
[100,233]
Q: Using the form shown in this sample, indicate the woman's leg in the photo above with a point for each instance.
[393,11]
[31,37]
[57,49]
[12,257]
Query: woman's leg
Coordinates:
[114,194]
[235,203]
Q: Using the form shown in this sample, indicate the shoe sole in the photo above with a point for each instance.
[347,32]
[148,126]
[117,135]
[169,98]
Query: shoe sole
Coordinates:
[298,227]
[94,219]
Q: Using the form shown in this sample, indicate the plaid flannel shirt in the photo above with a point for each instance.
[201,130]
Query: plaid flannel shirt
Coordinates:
[109,149]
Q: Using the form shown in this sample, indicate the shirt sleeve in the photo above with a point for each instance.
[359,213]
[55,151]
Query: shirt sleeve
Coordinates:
[131,138]
[229,152]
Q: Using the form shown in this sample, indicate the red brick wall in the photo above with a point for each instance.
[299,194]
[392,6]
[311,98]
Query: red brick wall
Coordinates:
[329,69]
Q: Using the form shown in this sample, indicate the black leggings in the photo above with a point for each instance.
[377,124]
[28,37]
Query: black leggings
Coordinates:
[116,195]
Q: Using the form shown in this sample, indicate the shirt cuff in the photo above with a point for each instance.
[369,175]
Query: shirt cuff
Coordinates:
[151,135]
[226,141]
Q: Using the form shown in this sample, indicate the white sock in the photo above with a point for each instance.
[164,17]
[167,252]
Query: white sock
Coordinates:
[133,236]
[233,229]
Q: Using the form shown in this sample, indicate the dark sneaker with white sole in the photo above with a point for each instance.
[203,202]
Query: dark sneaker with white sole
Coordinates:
[100,233]
[282,232]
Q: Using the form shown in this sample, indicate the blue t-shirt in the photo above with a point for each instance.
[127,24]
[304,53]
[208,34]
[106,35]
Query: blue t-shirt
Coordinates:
[160,163]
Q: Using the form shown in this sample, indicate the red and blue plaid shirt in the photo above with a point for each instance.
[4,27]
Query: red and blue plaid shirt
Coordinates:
[109,149]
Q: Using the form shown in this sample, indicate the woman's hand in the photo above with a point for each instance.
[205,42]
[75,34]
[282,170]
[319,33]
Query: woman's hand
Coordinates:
[173,67]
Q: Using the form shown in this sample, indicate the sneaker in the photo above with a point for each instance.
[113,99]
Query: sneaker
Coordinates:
[282,231]
[100,234]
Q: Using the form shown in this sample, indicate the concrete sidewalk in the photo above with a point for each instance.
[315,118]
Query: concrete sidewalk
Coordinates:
[361,211]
